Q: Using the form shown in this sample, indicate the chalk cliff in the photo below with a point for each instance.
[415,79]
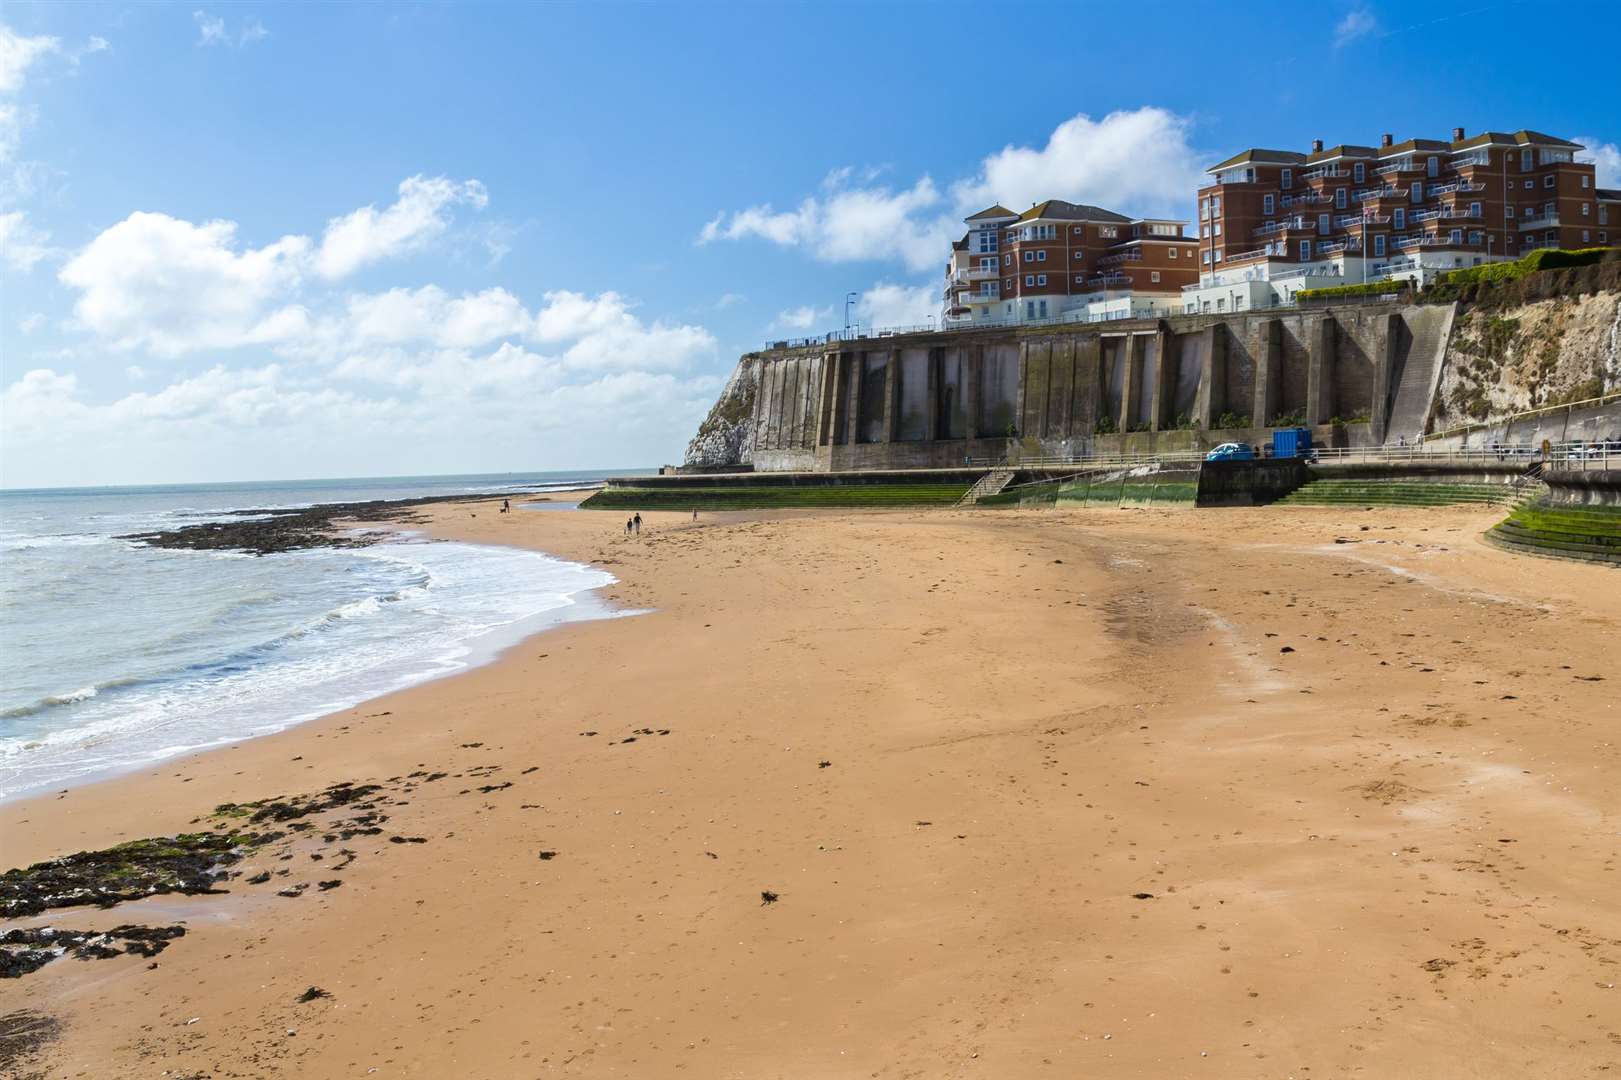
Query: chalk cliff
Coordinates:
[726,436]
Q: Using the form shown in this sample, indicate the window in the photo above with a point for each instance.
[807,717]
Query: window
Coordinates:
[1079,279]
[1029,281]
[1508,210]
[987,264]
[1287,179]
[1474,209]
[1474,238]
[1109,232]
[1173,253]
[1359,172]
[1305,250]
[1456,236]
[1604,238]
[1006,259]
[1077,230]
[1418,192]
[1379,245]
[1041,256]
[1529,184]
[1433,166]
[1218,254]
[1398,217]
[1041,279]
[1339,198]
[1218,228]
[1584,209]
[1268,205]
[1322,224]
[1525,161]
[1029,256]
[1154,274]
[1548,181]
[1080,254]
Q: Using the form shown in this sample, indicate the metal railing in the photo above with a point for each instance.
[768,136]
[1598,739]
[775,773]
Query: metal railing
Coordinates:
[1483,425]
[1595,455]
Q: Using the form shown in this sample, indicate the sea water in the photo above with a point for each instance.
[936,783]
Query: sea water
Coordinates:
[114,655]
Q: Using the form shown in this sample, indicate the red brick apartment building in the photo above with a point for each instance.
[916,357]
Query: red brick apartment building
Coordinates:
[1275,221]
[1063,260]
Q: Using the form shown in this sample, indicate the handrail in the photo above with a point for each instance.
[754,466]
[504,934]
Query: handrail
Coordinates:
[1513,417]
[1417,453]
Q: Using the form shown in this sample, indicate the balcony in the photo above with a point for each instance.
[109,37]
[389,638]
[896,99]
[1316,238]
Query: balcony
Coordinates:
[1473,161]
[1108,281]
[1377,193]
[1241,256]
[1541,218]
[980,297]
[981,273]
[1355,221]
[1404,165]
[1457,186]
[1341,246]
[1120,257]
[1432,240]
[1305,197]
[1283,226]
[1326,171]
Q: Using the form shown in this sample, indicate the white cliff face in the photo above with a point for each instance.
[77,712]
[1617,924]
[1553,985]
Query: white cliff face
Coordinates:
[726,437]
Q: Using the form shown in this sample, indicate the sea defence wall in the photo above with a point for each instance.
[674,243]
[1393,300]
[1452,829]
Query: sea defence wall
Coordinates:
[937,400]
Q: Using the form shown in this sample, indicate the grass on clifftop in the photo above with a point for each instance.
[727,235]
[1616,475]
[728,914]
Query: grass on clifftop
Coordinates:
[764,497]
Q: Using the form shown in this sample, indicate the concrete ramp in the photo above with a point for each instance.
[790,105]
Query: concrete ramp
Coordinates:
[1418,371]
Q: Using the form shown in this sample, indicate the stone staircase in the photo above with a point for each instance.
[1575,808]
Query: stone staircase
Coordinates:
[1589,533]
[1380,492]
[1421,371]
[991,483]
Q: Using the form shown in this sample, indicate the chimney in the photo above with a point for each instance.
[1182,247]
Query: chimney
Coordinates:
[1387,139]
[1316,146]
[1457,134]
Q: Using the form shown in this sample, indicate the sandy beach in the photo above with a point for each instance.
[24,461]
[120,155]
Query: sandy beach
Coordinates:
[1218,793]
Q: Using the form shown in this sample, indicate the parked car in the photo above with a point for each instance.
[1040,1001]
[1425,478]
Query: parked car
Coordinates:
[1231,451]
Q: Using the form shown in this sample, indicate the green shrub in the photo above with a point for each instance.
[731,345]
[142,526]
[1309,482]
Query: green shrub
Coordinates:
[1104,426]
[1229,420]
[1372,288]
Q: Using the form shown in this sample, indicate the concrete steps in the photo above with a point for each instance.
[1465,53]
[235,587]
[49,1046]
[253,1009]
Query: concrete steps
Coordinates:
[1561,531]
[991,483]
[1350,492]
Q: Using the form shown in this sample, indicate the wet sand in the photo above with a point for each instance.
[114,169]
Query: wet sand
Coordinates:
[1062,793]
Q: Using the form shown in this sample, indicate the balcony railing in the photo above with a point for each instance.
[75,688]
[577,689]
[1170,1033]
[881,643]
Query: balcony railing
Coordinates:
[1305,197]
[1324,171]
[1354,221]
[1243,255]
[1470,162]
[1282,226]
[1404,165]
[1434,240]
[1376,193]
[980,273]
[1338,246]
[1454,187]
[1543,217]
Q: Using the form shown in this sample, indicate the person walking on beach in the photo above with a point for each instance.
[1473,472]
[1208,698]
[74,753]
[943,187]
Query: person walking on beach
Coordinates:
[695,515]
[629,525]
[506,506]
[638,520]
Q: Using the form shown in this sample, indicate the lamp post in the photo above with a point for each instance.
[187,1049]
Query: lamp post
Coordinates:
[849,298]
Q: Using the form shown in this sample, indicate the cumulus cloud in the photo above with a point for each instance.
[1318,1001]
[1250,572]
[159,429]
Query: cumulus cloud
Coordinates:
[1358,22]
[801,318]
[17,54]
[1605,158]
[887,304]
[369,235]
[166,285]
[21,245]
[1134,161]
[849,223]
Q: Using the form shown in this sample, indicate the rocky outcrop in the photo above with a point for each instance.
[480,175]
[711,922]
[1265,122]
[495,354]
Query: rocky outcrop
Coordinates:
[726,436]
[1504,360]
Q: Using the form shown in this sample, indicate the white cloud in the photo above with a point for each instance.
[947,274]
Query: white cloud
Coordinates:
[1605,158]
[29,323]
[847,224]
[730,299]
[169,286]
[886,304]
[22,245]
[211,30]
[1134,161]
[369,235]
[801,318]
[17,55]
[1358,22]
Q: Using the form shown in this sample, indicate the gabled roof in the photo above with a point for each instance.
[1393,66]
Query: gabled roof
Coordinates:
[997,211]
[1342,151]
[1260,157]
[1608,194]
[960,245]
[1522,137]
[1068,211]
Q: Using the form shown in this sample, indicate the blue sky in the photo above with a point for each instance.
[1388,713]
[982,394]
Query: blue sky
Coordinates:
[256,241]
